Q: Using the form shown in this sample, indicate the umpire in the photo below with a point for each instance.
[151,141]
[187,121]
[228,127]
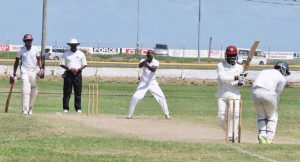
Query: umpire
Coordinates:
[73,61]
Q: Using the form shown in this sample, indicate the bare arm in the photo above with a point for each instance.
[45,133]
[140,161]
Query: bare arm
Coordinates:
[65,67]
[16,66]
[142,64]
[151,68]
[40,63]
[81,68]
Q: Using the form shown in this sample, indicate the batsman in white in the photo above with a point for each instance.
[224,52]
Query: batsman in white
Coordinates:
[229,78]
[148,82]
[29,56]
[266,95]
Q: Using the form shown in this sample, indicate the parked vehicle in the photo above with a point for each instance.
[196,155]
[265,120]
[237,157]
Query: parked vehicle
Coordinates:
[161,49]
[259,57]
[54,53]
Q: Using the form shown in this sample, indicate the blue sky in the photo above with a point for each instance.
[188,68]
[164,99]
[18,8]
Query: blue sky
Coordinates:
[113,23]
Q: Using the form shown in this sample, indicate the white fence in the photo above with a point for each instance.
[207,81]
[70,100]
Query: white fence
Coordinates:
[279,55]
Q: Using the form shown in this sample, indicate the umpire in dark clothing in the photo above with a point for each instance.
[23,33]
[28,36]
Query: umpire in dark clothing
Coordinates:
[73,61]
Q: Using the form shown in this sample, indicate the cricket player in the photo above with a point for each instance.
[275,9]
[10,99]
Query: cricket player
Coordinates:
[229,78]
[29,56]
[266,95]
[148,82]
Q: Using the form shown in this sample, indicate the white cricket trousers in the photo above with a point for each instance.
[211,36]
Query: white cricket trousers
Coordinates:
[29,90]
[265,104]
[222,103]
[155,91]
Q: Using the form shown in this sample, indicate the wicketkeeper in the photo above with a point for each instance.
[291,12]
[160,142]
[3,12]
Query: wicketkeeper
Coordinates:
[230,76]
[29,56]
[266,95]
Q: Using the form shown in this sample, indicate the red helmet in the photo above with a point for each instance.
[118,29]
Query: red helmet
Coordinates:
[27,37]
[231,50]
[150,52]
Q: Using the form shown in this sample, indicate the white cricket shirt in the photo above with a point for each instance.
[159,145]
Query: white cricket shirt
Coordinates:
[271,80]
[227,86]
[73,59]
[28,58]
[149,76]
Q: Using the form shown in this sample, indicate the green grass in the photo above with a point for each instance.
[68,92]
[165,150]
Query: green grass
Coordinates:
[33,138]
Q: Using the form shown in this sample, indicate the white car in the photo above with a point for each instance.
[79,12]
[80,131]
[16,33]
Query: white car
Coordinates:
[259,57]
[161,49]
[54,53]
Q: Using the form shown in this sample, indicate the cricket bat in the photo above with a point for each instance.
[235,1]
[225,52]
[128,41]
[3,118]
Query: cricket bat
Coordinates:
[250,55]
[9,96]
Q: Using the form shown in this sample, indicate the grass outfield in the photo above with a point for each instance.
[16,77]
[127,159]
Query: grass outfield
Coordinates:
[48,135]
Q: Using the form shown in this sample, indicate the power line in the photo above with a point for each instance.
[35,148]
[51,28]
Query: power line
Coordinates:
[277,3]
[180,3]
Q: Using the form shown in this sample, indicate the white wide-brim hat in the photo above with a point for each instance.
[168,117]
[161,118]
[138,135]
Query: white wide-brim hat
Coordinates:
[73,41]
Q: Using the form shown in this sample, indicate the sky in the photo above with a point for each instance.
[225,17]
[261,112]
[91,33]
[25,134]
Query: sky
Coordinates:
[114,23]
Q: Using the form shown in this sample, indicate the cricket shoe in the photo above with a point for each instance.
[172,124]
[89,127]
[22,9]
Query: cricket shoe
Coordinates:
[129,117]
[65,111]
[269,141]
[30,113]
[263,141]
[79,111]
[168,116]
[25,113]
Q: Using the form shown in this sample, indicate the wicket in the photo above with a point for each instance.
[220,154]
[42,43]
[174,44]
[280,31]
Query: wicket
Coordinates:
[230,117]
[93,99]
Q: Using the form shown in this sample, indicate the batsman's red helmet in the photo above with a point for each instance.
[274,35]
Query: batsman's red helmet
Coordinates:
[150,52]
[27,37]
[231,50]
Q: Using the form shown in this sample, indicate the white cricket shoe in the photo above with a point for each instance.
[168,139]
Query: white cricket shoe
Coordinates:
[65,111]
[168,116]
[25,113]
[30,112]
[79,111]
[129,117]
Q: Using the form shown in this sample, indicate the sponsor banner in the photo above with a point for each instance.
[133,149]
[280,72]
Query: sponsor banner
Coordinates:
[14,48]
[131,51]
[107,51]
[194,53]
[281,55]
[215,54]
[87,49]
[4,48]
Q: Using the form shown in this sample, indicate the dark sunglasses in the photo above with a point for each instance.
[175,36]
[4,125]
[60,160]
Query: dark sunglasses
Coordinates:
[28,40]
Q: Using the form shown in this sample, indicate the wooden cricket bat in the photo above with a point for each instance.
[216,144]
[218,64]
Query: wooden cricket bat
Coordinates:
[250,55]
[9,96]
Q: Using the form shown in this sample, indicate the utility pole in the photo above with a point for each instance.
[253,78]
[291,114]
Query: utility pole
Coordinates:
[199,20]
[209,47]
[44,33]
[137,50]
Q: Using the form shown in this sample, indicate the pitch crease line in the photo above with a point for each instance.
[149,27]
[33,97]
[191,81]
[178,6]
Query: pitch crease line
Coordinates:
[253,154]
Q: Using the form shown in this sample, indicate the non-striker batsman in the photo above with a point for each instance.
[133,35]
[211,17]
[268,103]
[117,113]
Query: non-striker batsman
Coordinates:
[29,56]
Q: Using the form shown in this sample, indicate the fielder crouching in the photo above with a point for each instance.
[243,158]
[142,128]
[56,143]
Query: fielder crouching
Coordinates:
[229,78]
[29,57]
[148,82]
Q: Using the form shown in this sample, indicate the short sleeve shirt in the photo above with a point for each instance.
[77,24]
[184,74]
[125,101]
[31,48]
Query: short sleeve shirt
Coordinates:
[149,76]
[28,58]
[73,59]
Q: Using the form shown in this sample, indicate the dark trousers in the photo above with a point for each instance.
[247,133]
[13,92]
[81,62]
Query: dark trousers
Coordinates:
[71,81]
